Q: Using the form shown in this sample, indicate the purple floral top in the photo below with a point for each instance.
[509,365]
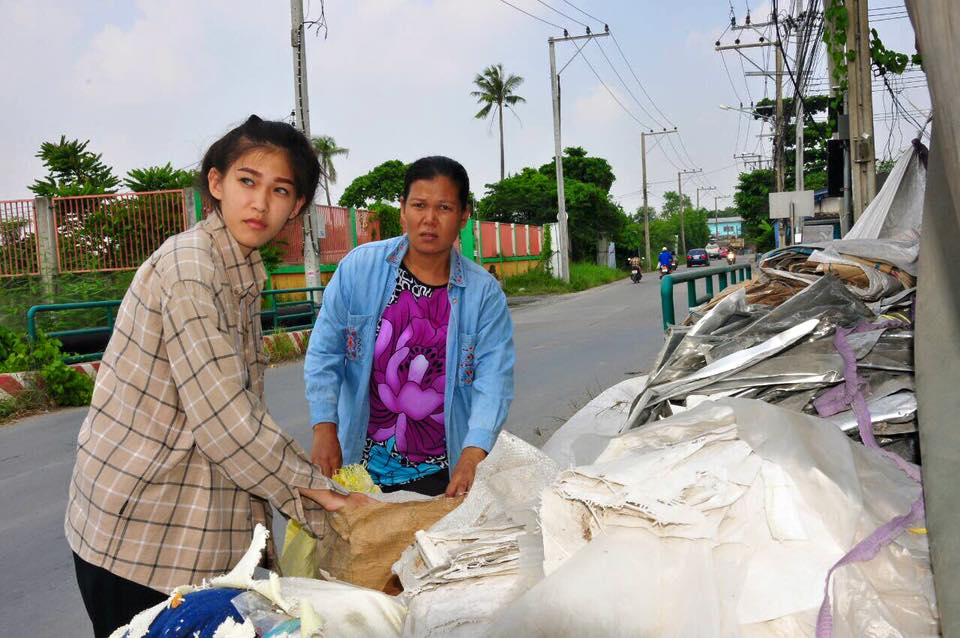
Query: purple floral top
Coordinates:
[406,440]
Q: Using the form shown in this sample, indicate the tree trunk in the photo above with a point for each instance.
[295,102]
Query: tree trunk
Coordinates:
[326,187]
[500,112]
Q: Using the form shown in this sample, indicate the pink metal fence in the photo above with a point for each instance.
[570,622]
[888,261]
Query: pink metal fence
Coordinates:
[291,241]
[521,244]
[115,232]
[535,232]
[19,247]
[338,241]
[368,227]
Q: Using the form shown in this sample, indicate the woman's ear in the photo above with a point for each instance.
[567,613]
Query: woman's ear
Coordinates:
[298,208]
[215,183]
[465,216]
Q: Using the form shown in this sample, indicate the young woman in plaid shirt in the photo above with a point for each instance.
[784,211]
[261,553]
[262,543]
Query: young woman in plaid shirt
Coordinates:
[177,459]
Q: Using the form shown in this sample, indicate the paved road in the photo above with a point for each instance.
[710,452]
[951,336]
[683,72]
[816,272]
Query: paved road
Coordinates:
[568,349]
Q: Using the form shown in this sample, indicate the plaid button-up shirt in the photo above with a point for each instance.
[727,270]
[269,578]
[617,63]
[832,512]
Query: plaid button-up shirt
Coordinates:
[177,459]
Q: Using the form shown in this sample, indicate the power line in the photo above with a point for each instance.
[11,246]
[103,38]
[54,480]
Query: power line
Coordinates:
[620,77]
[556,26]
[584,12]
[563,14]
[613,95]
[639,83]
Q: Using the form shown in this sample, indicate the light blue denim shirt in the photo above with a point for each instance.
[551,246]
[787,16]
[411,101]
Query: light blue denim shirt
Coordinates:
[480,354]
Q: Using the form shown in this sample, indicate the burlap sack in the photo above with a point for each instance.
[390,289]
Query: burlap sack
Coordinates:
[361,545]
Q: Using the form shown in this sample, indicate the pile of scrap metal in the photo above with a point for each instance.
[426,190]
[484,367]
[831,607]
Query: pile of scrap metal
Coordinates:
[774,338]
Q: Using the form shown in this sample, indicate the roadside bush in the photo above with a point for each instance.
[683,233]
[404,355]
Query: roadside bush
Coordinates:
[66,386]
[58,384]
[19,354]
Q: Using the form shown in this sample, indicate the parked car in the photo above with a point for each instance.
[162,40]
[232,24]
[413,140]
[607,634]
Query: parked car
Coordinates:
[713,250]
[697,257]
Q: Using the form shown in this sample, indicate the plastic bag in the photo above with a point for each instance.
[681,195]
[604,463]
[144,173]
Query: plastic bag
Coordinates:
[672,531]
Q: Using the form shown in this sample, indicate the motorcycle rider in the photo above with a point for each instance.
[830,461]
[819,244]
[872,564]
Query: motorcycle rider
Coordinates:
[665,258]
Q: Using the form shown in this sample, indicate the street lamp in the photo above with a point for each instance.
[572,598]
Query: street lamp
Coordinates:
[752,112]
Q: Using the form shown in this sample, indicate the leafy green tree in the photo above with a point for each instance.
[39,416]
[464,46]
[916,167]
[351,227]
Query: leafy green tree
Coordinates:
[384,183]
[327,149]
[496,90]
[815,136]
[389,218]
[671,204]
[159,178]
[752,200]
[589,170]
[73,170]
[529,197]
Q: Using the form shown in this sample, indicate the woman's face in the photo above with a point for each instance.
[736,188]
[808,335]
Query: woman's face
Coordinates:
[257,196]
[432,215]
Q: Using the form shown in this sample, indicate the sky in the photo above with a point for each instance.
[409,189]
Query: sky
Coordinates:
[152,81]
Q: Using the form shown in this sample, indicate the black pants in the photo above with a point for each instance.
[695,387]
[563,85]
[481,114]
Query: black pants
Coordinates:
[111,601]
[432,485]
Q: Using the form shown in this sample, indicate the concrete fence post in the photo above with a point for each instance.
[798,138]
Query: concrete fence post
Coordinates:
[47,244]
[192,207]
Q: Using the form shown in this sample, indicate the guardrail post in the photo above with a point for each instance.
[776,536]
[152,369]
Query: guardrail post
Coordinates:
[47,244]
[353,228]
[708,282]
[691,293]
[666,301]
[722,277]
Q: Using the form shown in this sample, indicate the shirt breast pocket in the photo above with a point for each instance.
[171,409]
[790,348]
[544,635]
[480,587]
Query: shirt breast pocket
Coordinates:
[355,335]
[467,366]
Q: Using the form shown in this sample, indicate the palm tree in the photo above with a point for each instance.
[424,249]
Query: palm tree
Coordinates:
[327,149]
[497,90]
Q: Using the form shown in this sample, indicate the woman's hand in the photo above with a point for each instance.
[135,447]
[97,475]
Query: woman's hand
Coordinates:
[331,501]
[326,453]
[466,470]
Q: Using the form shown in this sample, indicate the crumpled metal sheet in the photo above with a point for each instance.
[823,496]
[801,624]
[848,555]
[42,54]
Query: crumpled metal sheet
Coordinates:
[718,369]
[901,406]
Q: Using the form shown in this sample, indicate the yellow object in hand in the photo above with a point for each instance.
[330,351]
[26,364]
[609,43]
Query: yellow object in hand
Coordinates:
[356,479]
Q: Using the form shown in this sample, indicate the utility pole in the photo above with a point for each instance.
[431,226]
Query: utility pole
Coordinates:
[683,231]
[703,188]
[778,125]
[646,209]
[563,235]
[716,216]
[311,218]
[860,97]
[778,146]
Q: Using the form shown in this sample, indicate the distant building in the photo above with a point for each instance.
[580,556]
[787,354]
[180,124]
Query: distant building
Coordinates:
[725,227]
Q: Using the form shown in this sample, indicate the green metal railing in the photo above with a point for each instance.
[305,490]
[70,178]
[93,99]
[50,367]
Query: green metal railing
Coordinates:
[110,314]
[308,308]
[304,309]
[736,272]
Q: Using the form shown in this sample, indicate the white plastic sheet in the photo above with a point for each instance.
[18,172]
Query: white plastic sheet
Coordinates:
[723,521]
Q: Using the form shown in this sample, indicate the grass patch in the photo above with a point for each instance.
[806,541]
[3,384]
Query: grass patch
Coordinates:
[30,401]
[586,275]
[539,282]
[281,349]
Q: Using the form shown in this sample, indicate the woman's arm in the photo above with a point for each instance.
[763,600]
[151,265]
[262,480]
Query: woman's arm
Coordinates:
[229,423]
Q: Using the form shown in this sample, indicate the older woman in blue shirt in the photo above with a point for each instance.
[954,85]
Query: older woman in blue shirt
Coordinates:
[410,365]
